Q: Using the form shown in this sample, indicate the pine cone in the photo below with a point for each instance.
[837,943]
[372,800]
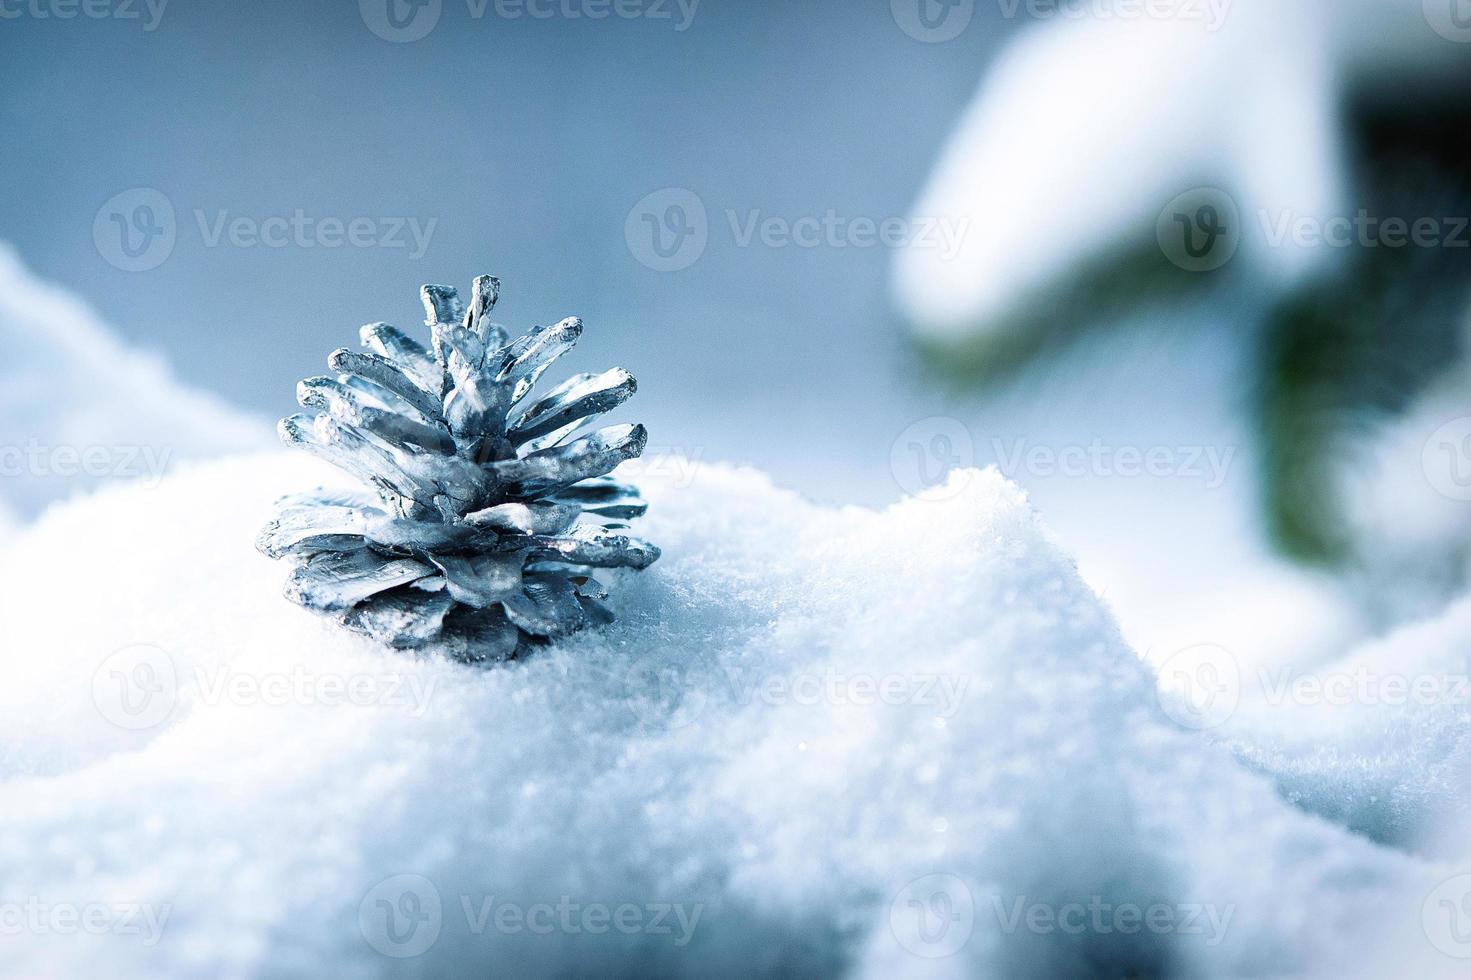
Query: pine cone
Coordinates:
[472,544]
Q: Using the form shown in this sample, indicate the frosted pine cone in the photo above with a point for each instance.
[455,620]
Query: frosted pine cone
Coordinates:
[472,544]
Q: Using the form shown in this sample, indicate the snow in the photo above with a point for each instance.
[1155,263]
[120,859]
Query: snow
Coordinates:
[1405,491]
[809,728]
[1377,740]
[1052,173]
[79,408]
[1062,179]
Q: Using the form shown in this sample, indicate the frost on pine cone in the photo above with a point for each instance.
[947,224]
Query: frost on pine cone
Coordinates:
[471,542]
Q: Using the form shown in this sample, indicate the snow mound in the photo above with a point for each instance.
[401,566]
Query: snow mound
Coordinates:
[1039,149]
[79,408]
[907,742]
[1379,741]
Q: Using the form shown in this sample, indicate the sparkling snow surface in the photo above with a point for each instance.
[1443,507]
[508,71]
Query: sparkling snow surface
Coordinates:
[898,743]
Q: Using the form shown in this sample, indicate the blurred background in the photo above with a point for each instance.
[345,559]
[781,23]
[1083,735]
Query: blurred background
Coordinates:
[519,146]
[855,245]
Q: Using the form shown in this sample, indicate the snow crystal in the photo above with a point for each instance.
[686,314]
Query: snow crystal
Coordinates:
[907,742]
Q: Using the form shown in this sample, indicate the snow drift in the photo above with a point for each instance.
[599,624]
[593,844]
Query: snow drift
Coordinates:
[79,408]
[903,742]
